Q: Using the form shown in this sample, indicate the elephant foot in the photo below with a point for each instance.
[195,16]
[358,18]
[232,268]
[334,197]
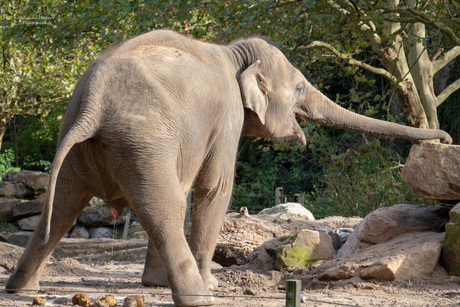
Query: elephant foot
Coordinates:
[205,299]
[210,281]
[15,285]
[155,277]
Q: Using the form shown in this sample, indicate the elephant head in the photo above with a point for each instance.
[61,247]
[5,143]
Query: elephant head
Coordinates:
[275,93]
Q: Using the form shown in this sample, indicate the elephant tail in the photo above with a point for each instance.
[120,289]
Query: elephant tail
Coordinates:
[84,127]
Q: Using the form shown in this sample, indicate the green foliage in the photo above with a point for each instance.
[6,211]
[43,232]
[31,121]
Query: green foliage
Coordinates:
[360,174]
[46,45]
[262,166]
[7,159]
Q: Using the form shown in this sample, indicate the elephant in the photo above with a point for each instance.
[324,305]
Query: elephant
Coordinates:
[163,112]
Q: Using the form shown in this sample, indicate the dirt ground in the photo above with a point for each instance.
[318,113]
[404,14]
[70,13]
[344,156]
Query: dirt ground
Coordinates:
[115,267]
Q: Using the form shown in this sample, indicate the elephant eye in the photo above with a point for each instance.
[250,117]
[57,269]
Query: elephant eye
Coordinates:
[300,88]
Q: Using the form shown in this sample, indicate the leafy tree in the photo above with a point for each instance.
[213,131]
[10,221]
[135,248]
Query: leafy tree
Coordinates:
[408,39]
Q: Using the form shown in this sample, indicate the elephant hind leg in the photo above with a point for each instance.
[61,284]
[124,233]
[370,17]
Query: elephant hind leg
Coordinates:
[69,200]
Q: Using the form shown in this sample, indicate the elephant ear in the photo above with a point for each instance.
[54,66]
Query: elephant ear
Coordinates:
[254,90]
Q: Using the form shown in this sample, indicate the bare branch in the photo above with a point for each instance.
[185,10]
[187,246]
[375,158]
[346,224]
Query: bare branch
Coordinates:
[438,53]
[445,58]
[447,91]
[419,16]
[349,60]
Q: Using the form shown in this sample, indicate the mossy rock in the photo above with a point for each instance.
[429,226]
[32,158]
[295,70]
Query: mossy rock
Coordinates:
[304,248]
[451,248]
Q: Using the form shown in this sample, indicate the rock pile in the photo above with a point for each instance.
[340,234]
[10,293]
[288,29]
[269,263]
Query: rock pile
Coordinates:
[403,242]
[22,198]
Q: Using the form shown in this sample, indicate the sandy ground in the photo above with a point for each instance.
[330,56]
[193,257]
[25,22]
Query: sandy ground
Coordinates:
[115,267]
[237,287]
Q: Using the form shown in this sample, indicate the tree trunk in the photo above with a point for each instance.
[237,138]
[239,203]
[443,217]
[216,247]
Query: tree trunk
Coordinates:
[392,55]
[2,133]
[422,73]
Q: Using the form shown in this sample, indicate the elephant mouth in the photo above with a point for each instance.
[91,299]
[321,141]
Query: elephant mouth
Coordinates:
[298,136]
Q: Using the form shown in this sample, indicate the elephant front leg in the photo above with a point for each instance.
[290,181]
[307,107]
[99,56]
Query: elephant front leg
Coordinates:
[212,197]
[154,269]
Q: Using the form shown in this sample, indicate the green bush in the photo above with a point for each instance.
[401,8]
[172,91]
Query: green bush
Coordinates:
[7,159]
[360,174]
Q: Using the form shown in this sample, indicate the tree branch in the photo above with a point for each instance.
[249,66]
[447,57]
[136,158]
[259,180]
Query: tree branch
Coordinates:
[426,19]
[447,91]
[368,28]
[445,58]
[349,60]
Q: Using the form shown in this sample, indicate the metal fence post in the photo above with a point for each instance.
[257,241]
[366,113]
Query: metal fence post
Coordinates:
[279,196]
[293,289]
[126,226]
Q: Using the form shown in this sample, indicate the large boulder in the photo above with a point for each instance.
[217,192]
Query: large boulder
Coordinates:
[406,257]
[288,211]
[24,184]
[20,238]
[79,232]
[29,223]
[451,249]
[433,171]
[385,223]
[6,209]
[303,248]
[29,208]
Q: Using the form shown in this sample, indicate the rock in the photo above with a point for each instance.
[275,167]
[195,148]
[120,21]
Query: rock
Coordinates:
[339,236]
[134,301]
[100,303]
[6,209]
[303,248]
[29,223]
[39,301]
[343,233]
[12,189]
[431,170]
[79,232]
[28,208]
[25,183]
[101,232]
[406,257]
[451,248]
[110,299]
[413,263]
[20,238]
[384,223]
[81,299]
[137,232]
[288,211]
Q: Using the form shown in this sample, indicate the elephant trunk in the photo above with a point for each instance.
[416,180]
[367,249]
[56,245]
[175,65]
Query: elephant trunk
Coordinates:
[320,109]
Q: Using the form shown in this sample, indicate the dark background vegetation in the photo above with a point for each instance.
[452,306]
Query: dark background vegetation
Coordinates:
[47,44]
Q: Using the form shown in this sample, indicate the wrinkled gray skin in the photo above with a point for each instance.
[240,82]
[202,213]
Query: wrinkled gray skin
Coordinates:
[160,113]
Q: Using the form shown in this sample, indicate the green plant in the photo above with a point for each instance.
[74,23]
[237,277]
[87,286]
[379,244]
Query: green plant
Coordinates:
[7,159]
[360,174]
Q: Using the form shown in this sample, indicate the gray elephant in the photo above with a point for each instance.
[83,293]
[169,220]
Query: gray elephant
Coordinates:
[160,113]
